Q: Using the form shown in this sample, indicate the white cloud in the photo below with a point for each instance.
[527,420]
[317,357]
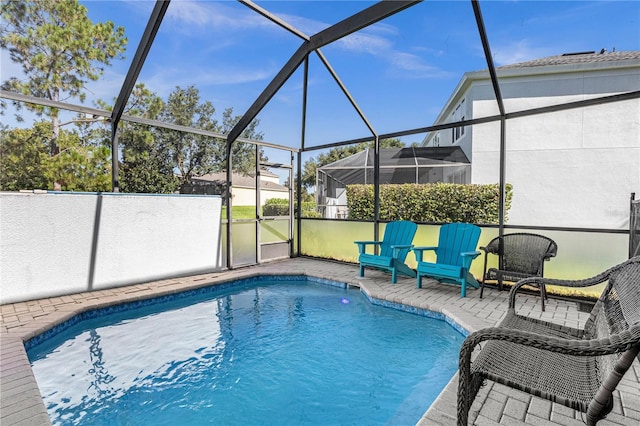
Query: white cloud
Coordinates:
[410,62]
[520,51]
[164,80]
[186,15]
[366,43]
[401,63]
[375,41]
[306,25]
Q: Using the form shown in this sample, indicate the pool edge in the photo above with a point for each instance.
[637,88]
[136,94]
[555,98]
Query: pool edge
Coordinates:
[83,302]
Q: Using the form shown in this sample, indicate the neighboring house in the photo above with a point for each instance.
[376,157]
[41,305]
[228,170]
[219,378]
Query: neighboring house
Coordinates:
[244,187]
[571,168]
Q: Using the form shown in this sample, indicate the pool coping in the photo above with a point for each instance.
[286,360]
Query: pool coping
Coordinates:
[21,402]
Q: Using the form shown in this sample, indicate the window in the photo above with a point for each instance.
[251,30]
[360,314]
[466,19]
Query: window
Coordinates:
[458,115]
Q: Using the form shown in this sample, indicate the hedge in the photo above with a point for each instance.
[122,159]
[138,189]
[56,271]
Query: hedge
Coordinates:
[280,207]
[434,202]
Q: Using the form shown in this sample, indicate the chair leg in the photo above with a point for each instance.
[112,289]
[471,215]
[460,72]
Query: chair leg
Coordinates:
[463,287]
[418,280]
[543,295]
[394,276]
[361,271]
[482,287]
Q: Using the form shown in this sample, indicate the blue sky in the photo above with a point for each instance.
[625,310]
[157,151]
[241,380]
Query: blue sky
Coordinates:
[400,71]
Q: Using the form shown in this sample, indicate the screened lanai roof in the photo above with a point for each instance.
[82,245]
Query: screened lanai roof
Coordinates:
[308,70]
[397,165]
[315,63]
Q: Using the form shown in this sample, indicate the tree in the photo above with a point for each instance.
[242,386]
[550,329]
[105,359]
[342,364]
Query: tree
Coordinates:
[335,154]
[196,155]
[79,165]
[304,194]
[153,157]
[146,166]
[191,154]
[23,157]
[60,50]
[243,154]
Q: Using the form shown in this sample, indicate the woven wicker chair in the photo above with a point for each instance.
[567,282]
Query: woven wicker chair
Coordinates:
[520,255]
[578,368]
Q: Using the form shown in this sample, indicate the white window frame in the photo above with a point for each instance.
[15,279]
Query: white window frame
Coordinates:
[458,115]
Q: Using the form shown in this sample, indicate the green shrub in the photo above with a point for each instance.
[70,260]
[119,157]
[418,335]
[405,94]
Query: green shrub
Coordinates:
[280,207]
[437,202]
[310,210]
[276,207]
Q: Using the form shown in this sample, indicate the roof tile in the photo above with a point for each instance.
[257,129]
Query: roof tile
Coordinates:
[577,58]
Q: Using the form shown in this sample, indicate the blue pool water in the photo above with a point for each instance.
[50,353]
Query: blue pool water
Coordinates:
[286,354]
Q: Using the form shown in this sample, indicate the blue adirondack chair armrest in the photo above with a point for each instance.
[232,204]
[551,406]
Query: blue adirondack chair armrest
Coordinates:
[418,251]
[467,258]
[362,245]
[474,254]
[397,247]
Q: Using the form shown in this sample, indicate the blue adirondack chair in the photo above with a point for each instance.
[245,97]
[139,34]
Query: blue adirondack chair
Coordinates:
[394,248]
[455,251]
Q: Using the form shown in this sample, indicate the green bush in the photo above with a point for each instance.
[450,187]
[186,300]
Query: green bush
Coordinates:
[280,207]
[437,202]
[276,207]
[309,209]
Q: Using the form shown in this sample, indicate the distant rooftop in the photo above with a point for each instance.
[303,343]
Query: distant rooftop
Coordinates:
[243,180]
[577,58]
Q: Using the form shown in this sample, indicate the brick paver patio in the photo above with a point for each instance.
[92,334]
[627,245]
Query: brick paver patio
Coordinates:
[21,403]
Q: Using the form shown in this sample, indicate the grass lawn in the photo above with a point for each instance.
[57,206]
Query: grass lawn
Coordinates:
[240,212]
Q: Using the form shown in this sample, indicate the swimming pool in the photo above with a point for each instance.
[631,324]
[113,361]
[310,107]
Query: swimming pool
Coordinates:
[248,352]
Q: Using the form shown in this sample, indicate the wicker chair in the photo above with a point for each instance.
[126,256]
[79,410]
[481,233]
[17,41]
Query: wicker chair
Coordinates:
[520,255]
[578,368]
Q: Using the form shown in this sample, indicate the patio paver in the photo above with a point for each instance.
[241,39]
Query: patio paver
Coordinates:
[21,403]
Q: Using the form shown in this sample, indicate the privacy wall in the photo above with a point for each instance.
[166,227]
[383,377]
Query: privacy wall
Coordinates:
[60,243]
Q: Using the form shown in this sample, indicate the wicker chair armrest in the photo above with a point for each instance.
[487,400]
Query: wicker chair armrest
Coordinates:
[540,281]
[615,343]
[489,249]
[594,347]
[536,282]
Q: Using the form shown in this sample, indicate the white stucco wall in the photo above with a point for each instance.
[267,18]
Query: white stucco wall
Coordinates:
[243,196]
[573,168]
[60,243]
